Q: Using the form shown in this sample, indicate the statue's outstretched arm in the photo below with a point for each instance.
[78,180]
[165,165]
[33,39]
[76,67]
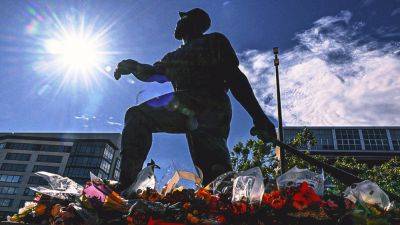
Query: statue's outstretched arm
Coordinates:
[243,93]
[143,72]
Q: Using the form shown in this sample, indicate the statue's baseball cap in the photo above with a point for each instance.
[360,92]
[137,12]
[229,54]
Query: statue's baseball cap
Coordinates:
[199,17]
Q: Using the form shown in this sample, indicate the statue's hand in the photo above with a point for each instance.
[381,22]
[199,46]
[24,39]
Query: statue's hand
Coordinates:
[265,126]
[125,67]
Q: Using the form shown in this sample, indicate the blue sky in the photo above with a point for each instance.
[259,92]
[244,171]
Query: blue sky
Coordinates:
[340,62]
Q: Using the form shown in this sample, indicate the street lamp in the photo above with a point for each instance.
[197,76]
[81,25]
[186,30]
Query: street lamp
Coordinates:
[282,155]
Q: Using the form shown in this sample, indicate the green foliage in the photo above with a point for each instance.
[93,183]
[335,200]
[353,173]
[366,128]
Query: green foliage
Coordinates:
[304,139]
[255,153]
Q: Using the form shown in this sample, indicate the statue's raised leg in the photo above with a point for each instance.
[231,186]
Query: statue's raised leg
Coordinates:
[156,115]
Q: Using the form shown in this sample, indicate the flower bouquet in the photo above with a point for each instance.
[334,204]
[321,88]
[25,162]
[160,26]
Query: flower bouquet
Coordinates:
[235,198]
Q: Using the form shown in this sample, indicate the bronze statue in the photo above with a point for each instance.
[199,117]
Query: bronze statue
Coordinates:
[201,70]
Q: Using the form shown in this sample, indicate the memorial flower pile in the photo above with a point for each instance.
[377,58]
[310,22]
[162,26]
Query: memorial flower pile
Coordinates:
[234,198]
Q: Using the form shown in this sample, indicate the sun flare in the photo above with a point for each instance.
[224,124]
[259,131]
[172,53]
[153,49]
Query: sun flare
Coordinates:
[75,53]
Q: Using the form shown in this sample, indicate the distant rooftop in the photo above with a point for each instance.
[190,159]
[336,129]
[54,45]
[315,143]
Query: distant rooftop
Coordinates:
[114,138]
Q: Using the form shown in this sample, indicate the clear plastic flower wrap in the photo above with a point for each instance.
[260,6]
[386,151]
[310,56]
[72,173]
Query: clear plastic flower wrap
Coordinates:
[249,186]
[368,192]
[296,176]
[223,183]
[61,187]
[145,179]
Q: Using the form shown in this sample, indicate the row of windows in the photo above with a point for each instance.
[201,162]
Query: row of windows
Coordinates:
[13,167]
[108,153]
[395,135]
[117,171]
[89,148]
[35,147]
[18,156]
[10,178]
[40,158]
[49,158]
[8,190]
[51,169]
[5,202]
[350,139]
[105,166]
[84,161]
[78,172]
[375,139]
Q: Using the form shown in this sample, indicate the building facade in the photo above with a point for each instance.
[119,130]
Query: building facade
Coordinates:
[372,145]
[69,154]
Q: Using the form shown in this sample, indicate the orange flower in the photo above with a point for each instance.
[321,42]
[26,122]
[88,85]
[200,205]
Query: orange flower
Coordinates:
[221,219]
[192,219]
[186,205]
[203,193]
[40,209]
[55,210]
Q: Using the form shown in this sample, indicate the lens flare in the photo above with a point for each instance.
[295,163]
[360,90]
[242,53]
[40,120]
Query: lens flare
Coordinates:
[72,50]
[75,53]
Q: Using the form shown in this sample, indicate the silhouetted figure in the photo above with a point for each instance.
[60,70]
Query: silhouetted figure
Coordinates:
[201,70]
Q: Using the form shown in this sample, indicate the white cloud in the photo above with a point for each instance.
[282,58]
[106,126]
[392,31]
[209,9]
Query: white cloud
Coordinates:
[114,123]
[333,76]
[395,12]
[82,117]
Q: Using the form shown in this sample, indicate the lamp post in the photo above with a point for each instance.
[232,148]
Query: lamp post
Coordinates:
[282,155]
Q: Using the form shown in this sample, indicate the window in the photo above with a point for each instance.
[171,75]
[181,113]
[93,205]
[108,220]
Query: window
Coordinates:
[348,139]
[10,178]
[49,158]
[102,175]
[55,148]
[37,181]
[117,171]
[118,164]
[23,146]
[105,166]
[108,153]
[324,139]
[395,135]
[89,148]
[79,172]
[8,190]
[13,167]
[5,202]
[3,145]
[51,169]
[289,134]
[116,174]
[18,156]
[375,139]
[29,192]
[84,161]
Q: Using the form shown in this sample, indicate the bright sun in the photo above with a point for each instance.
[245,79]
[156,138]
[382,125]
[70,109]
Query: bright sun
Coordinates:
[76,53]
